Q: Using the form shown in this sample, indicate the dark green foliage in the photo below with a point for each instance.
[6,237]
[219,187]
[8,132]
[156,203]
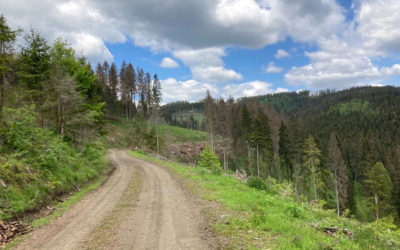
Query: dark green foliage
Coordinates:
[55,107]
[36,163]
[340,174]
[184,114]
[257,183]
[7,39]
[379,188]
[34,64]
[284,152]
[157,96]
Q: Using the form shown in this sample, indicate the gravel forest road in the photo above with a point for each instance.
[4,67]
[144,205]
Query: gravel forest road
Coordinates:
[162,215]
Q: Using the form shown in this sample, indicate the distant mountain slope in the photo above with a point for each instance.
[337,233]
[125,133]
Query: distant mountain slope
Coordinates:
[366,121]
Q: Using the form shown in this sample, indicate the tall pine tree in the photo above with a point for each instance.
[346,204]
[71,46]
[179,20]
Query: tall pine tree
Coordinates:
[339,170]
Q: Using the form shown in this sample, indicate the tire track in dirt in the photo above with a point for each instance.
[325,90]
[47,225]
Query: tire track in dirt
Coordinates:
[164,216]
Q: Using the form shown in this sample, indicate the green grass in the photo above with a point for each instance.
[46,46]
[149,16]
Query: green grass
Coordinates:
[125,134]
[180,135]
[254,219]
[37,164]
[361,204]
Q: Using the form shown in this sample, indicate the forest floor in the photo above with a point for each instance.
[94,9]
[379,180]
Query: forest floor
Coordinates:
[142,205]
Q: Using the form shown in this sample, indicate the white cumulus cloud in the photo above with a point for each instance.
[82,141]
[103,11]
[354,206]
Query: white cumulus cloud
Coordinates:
[273,69]
[168,62]
[350,59]
[281,53]
[252,88]
[191,90]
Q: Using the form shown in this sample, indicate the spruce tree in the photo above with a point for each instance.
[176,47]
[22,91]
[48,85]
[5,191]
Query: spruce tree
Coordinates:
[379,188]
[34,65]
[339,170]
[208,159]
[142,91]
[311,161]
[157,95]
[113,85]
[261,139]
[131,81]
[210,114]
[7,39]
[147,102]
[284,152]
[125,92]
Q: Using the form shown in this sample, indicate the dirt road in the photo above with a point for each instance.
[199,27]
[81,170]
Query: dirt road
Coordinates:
[163,217]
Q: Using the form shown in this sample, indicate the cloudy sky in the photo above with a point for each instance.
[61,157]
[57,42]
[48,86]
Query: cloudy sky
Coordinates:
[230,47]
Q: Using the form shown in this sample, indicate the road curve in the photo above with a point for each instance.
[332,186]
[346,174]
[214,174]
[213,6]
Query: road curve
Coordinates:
[164,216]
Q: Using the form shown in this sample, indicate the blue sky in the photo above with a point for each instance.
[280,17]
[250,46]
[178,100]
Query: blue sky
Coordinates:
[230,47]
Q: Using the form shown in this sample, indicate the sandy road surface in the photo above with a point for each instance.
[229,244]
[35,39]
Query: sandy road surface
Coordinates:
[164,216]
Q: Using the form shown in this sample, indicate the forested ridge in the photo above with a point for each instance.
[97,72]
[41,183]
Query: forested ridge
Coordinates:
[336,149]
[353,130]
[53,109]
[341,147]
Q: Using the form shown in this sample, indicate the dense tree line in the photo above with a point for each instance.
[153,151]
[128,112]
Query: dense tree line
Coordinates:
[53,106]
[68,95]
[184,114]
[341,147]
[129,92]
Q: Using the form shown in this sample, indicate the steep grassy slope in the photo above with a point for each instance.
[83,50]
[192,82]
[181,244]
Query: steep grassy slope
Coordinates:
[181,135]
[253,219]
[141,134]
[36,164]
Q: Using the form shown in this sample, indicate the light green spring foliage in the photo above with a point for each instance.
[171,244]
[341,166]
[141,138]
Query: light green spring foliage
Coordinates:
[311,160]
[181,135]
[131,134]
[140,133]
[272,219]
[208,159]
[39,164]
[361,205]
[378,183]
[354,106]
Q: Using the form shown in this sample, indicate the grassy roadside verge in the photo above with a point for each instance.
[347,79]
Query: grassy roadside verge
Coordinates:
[61,207]
[255,219]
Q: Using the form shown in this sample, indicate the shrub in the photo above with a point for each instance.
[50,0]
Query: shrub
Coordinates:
[208,159]
[294,211]
[257,183]
[35,163]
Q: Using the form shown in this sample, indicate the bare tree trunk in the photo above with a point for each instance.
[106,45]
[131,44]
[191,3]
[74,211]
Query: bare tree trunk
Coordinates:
[376,206]
[277,166]
[2,86]
[248,156]
[62,123]
[258,163]
[158,146]
[127,111]
[59,112]
[314,182]
[225,168]
[212,139]
[337,195]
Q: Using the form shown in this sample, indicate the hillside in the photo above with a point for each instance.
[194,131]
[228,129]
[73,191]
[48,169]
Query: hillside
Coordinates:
[365,121]
[90,158]
[256,216]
